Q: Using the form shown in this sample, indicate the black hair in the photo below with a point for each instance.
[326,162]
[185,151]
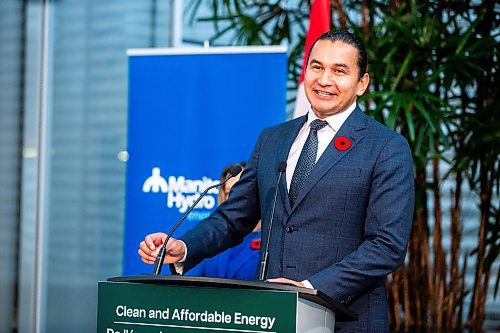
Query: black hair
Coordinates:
[227,170]
[222,196]
[348,38]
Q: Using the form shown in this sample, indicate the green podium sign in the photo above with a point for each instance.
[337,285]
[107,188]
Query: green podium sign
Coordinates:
[155,308]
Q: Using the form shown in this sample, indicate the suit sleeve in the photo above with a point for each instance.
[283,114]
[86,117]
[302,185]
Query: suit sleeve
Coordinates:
[231,221]
[387,228]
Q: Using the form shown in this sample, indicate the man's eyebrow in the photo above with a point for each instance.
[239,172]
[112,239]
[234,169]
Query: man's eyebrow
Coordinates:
[315,62]
[341,65]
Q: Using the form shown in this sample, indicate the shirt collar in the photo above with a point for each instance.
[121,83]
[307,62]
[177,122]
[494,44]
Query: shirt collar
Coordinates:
[335,121]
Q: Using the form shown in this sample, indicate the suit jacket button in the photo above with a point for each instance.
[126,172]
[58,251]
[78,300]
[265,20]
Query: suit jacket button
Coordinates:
[289,229]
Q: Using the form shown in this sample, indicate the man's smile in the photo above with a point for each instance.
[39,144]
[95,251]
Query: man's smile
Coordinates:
[326,94]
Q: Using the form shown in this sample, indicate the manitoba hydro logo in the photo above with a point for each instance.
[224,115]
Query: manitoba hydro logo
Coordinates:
[181,193]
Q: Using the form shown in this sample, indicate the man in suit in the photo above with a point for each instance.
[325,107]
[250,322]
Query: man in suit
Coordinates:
[343,217]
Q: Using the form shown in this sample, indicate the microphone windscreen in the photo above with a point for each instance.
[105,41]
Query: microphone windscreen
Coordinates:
[235,170]
[282,166]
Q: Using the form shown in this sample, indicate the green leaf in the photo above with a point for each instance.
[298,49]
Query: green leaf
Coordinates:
[409,122]
[424,113]
[403,70]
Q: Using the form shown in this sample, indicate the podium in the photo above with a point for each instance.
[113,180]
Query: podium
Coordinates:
[161,304]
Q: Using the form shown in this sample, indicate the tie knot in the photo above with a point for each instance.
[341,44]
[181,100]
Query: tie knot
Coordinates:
[317,124]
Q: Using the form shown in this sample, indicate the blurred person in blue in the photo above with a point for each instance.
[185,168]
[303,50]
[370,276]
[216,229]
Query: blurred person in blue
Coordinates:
[239,262]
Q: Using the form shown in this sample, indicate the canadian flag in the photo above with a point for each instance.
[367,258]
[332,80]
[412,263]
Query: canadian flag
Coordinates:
[319,22]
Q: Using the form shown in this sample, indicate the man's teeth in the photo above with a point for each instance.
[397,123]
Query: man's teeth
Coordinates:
[323,93]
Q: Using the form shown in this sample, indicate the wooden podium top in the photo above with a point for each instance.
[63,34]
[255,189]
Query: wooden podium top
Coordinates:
[341,312]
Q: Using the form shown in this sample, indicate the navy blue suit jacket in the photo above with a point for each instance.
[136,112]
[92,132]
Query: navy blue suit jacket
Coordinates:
[350,224]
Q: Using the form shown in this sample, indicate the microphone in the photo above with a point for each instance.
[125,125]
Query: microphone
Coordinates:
[163,251]
[263,263]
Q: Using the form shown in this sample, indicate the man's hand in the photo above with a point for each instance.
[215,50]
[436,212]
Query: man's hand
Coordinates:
[150,246]
[286,281]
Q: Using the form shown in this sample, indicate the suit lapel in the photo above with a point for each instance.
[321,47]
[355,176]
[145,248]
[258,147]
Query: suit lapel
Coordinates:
[351,129]
[289,134]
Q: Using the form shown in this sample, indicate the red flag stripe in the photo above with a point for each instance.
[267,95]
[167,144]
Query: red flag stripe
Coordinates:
[319,22]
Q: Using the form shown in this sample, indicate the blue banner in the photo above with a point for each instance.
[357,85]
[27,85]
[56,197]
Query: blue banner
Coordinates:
[191,113]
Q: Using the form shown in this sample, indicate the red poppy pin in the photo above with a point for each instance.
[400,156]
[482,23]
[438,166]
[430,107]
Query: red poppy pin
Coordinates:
[255,244]
[342,143]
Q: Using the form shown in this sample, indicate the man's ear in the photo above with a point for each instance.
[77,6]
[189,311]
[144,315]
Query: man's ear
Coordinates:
[363,84]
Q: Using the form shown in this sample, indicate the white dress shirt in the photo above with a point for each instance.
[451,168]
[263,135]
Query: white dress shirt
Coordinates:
[325,136]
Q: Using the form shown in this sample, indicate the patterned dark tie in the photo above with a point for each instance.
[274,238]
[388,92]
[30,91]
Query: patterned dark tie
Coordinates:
[306,161]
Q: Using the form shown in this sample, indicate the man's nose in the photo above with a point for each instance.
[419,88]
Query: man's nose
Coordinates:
[326,78]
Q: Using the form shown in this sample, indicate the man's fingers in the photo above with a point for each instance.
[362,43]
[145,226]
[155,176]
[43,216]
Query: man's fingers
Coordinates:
[147,259]
[286,281]
[150,246]
[147,250]
[150,241]
[154,240]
